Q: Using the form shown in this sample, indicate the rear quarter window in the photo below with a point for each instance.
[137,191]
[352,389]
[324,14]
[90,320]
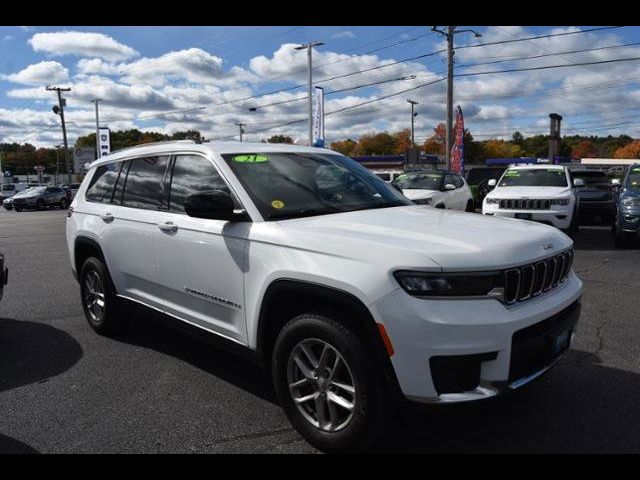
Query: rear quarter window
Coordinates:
[100,188]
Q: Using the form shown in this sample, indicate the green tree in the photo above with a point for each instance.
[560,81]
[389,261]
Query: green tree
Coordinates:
[280,139]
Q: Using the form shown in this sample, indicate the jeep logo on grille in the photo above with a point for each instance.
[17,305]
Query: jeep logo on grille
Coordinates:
[547,246]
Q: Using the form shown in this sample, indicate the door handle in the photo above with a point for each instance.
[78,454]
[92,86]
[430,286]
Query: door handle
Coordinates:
[168,227]
[107,218]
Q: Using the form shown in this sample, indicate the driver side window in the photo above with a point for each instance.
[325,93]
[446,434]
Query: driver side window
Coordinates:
[451,179]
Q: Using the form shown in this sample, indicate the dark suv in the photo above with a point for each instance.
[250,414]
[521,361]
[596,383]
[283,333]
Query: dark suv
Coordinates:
[478,178]
[596,195]
[626,223]
[41,198]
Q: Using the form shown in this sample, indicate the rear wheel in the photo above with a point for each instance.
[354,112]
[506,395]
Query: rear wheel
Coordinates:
[98,297]
[470,206]
[324,382]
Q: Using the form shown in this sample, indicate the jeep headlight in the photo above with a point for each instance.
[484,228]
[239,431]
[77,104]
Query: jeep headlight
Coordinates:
[560,201]
[423,201]
[492,201]
[437,284]
[631,202]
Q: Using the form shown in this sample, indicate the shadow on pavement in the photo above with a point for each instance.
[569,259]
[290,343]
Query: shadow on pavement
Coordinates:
[33,352]
[572,409]
[11,445]
[199,349]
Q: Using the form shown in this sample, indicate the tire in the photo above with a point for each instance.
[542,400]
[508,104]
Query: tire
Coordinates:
[619,240]
[470,206]
[40,205]
[96,284]
[18,209]
[344,430]
[63,204]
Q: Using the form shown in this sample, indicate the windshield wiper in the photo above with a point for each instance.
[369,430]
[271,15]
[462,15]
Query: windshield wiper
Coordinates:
[307,212]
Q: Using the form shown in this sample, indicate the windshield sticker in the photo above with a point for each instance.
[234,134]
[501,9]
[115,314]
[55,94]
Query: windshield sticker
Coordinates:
[512,173]
[635,170]
[250,159]
[278,204]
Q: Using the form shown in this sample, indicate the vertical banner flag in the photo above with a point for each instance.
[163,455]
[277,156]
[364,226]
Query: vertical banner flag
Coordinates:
[318,118]
[457,151]
[105,141]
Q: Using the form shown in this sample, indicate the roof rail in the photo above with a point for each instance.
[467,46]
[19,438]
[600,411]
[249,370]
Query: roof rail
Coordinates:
[187,140]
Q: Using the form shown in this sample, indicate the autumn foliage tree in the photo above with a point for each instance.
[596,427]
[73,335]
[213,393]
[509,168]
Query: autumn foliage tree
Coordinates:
[631,150]
[346,147]
[382,143]
[584,149]
[435,144]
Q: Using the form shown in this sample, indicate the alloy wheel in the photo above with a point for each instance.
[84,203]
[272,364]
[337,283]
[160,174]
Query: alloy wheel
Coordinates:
[94,298]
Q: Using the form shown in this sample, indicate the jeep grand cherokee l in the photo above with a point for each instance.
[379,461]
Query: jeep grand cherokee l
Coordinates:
[356,300]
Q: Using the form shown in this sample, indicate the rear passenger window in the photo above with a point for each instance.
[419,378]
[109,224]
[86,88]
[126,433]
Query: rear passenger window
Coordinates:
[122,177]
[144,187]
[458,181]
[101,186]
[192,174]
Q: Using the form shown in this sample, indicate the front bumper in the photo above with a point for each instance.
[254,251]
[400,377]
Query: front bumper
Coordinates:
[629,221]
[559,217]
[421,330]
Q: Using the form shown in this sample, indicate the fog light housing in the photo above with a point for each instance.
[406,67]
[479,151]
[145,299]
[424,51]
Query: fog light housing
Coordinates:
[458,373]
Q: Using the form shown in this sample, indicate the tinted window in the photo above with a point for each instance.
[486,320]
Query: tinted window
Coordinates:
[102,182]
[534,177]
[458,181]
[144,187]
[420,181]
[454,180]
[192,174]
[122,177]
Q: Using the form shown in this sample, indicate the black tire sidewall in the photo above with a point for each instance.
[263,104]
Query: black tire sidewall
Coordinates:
[368,422]
[109,323]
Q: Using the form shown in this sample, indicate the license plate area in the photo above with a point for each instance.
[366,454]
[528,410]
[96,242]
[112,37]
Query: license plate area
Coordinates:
[524,216]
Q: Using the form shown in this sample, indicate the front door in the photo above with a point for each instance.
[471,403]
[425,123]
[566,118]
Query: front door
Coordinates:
[200,263]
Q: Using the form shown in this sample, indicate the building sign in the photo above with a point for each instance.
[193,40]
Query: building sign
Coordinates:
[82,156]
[104,141]
[318,118]
[457,151]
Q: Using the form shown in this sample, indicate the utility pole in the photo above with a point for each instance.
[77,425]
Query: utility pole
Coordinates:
[309,46]
[57,162]
[449,34]
[241,126]
[59,110]
[413,116]
[98,153]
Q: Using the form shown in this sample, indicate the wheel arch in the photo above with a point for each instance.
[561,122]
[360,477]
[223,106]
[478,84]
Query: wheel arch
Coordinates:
[286,298]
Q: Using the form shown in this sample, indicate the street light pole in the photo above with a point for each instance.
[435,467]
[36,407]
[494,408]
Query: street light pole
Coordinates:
[60,111]
[309,46]
[241,126]
[449,34]
[413,116]
[98,153]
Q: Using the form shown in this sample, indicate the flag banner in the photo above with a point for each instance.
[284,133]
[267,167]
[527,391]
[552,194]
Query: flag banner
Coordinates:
[457,151]
[104,141]
[318,118]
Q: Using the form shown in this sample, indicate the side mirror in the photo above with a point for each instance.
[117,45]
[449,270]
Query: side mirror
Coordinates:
[449,186]
[578,182]
[214,205]
[615,182]
[492,183]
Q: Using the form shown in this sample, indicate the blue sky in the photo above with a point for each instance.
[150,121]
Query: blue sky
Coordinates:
[176,78]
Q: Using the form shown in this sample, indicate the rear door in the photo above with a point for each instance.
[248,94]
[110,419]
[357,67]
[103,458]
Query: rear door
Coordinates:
[130,217]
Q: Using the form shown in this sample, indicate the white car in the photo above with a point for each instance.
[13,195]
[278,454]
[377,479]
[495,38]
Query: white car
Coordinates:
[440,189]
[354,299]
[541,193]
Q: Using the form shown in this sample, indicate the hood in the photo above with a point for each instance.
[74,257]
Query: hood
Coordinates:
[418,193]
[529,192]
[421,236]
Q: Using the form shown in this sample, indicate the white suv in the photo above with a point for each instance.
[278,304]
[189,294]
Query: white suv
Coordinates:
[541,193]
[354,298]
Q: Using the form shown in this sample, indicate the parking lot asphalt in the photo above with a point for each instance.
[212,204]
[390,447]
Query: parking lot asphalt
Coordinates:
[63,388]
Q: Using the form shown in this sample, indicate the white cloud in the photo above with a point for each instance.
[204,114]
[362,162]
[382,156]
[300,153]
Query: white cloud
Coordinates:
[82,44]
[43,73]
[344,34]
[7,38]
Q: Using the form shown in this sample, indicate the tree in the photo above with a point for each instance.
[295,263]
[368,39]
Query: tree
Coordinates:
[280,139]
[501,149]
[631,150]
[518,139]
[584,149]
[346,147]
[435,144]
[377,144]
[403,141]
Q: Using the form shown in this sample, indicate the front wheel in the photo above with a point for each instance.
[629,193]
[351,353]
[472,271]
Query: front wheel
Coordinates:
[325,383]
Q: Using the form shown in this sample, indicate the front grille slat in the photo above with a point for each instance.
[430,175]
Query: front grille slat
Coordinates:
[527,281]
[524,204]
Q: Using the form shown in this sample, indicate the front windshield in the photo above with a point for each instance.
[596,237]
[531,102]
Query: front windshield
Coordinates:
[534,177]
[35,190]
[289,185]
[420,181]
[634,178]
